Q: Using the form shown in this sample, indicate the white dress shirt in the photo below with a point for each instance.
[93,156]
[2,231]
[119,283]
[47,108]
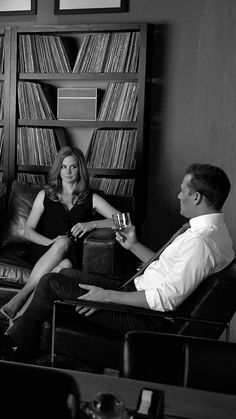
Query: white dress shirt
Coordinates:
[205,248]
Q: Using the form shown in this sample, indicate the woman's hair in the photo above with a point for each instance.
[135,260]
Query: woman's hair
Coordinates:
[210,181]
[54,187]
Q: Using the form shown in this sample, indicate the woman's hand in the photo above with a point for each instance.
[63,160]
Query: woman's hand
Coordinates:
[127,238]
[80,229]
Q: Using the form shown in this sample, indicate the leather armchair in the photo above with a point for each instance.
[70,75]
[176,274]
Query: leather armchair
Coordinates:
[180,360]
[205,313]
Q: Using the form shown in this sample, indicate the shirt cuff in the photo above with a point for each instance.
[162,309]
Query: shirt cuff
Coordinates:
[154,300]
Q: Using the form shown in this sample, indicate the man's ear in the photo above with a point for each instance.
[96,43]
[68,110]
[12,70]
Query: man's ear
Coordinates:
[197,198]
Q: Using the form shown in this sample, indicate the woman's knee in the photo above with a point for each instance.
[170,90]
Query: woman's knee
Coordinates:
[65,263]
[61,245]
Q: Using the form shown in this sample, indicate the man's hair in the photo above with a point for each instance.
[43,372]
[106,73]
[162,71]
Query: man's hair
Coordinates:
[210,181]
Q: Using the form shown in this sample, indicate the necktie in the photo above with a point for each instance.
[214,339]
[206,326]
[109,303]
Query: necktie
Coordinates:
[157,254]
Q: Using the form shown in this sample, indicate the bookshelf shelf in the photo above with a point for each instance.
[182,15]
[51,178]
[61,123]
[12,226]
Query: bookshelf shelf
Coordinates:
[32,168]
[82,124]
[106,172]
[113,172]
[111,58]
[80,77]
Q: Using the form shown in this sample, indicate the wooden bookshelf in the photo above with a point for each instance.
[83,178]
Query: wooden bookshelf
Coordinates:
[110,57]
[4,100]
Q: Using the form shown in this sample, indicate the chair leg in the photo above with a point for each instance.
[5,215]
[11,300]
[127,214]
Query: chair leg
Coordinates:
[227,333]
[53,336]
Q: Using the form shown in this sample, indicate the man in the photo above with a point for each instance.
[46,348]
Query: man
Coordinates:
[203,249]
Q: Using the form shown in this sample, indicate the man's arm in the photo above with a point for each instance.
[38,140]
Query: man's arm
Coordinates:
[135,298]
[129,241]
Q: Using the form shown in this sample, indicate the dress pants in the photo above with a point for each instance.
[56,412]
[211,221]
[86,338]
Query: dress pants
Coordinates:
[26,330]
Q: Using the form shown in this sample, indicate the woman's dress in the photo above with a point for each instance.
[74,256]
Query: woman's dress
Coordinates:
[58,220]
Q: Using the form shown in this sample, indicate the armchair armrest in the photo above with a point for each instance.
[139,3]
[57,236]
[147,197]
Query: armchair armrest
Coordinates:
[128,309]
[98,251]
[103,255]
[138,310]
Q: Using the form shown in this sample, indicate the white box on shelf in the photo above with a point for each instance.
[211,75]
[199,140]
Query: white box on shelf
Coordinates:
[77,104]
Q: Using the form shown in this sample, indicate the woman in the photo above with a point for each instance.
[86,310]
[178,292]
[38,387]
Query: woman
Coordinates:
[61,215]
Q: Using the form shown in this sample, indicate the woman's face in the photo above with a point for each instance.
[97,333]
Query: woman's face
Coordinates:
[69,170]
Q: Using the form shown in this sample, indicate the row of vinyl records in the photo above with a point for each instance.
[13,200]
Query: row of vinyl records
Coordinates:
[98,53]
[36,146]
[32,102]
[113,149]
[119,102]
[111,186]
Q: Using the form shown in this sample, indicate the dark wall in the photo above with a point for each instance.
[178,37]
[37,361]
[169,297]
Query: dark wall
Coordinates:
[199,103]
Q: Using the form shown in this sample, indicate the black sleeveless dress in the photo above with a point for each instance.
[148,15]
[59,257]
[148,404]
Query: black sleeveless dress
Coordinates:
[58,220]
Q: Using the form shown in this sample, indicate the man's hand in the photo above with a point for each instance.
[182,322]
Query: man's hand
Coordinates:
[94,294]
[127,238]
[87,311]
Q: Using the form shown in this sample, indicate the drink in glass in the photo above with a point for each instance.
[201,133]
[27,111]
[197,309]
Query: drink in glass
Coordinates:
[121,221]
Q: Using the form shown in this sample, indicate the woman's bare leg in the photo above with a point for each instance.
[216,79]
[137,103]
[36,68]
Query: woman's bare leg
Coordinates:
[65,263]
[48,262]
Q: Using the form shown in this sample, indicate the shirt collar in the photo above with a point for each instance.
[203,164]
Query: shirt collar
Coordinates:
[206,220]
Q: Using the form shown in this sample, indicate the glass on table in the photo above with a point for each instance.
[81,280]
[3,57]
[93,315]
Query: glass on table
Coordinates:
[105,406]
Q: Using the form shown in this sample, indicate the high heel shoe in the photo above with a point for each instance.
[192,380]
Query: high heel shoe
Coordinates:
[8,349]
[5,321]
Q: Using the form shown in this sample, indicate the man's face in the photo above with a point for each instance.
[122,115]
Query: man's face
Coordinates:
[187,198]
